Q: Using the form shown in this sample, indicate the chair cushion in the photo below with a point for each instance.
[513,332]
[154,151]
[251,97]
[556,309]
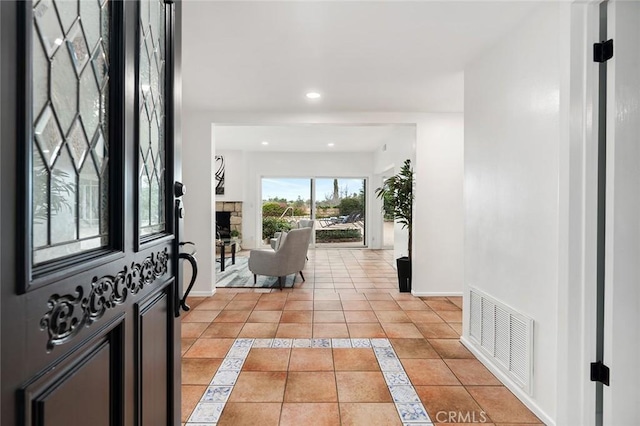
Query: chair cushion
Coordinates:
[281,238]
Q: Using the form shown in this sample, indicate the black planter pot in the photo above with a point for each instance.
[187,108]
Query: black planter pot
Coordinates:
[404,274]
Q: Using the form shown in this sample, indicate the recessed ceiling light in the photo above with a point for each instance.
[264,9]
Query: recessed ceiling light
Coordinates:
[330,144]
[313,95]
[265,143]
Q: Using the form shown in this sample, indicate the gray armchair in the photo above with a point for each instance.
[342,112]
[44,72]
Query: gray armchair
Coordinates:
[289,258]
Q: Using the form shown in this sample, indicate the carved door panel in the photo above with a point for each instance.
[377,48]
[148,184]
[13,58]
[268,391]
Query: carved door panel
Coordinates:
[89,238]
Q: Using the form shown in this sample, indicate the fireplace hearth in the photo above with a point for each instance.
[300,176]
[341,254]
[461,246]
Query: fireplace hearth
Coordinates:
[228,218]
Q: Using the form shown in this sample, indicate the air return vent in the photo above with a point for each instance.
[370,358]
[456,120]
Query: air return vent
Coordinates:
[503,335]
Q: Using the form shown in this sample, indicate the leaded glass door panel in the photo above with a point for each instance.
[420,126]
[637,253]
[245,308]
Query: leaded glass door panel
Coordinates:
[89,333]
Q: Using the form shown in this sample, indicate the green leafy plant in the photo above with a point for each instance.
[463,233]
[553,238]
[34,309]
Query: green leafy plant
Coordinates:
[272,208]
[61,191]
[271,225]
[398,191]
[350,205]
[234,233]
[338,235]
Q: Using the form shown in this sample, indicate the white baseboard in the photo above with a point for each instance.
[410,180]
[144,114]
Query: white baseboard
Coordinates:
[435,293]
[195,293]
[512,386]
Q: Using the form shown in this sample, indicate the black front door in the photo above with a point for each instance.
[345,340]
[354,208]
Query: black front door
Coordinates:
[88,224]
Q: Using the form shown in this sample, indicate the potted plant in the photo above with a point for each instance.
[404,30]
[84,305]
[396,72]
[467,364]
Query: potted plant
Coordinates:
[398,190]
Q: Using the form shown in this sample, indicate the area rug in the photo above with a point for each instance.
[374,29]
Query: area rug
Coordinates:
[239,275]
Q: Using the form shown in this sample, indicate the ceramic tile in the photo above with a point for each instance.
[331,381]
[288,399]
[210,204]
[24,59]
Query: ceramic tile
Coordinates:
[360,317]
[238,352]
[311,359]
[311,413]
[330,330]
[389,364]
[438,399]
[199,371]
[243,343]
[361,343]
[358,414]
[227,377]
[367,330]
[301,343]
[385,353]
[401,330]
[191,395]
[250,413]
[232,316]
[355,359]
[403,394]
[328,316]
[362,386]
[294,330]
[471,372]
[412,412]
[396,378]
[259,386]
[311,386]
[207,412]
[320,343]
[263,330]
[429,372]
[223,329]
[501,405]
[265,316]
[209,348]
[413,348]
[217,394]
[341,343]
[450,348]
[267,359]
[378,324]
[231,364]
[297,317]
[282,343]
[262,343]
[380,343]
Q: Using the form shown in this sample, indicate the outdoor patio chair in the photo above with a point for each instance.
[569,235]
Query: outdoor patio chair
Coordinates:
[327,221]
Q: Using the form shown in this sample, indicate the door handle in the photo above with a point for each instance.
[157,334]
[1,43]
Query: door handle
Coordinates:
[189,257]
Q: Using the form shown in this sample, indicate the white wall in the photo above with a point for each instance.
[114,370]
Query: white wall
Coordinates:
[199,201]
[235,176]
[513,139]
[438,209]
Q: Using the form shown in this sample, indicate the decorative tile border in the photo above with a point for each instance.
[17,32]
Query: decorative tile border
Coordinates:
[405,398]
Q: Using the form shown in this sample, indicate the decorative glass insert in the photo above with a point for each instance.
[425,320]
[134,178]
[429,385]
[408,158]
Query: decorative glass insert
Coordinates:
[151,173]
[70,155]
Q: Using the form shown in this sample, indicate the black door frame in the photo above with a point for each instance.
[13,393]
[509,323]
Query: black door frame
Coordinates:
[24,300]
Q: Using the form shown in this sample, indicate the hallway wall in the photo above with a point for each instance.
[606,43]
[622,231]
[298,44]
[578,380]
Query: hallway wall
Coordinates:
[512,162]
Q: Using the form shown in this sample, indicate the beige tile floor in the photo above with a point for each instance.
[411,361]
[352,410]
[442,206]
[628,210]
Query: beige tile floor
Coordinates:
[347,294]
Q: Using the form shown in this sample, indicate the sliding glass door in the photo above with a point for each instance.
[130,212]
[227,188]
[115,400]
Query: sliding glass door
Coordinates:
[340,211]
[285,202]
[337,207]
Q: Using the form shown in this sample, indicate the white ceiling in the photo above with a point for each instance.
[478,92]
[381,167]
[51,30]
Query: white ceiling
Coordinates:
[311,137]
[362,56]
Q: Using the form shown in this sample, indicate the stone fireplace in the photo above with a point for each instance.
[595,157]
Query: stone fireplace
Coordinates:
[228,217]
